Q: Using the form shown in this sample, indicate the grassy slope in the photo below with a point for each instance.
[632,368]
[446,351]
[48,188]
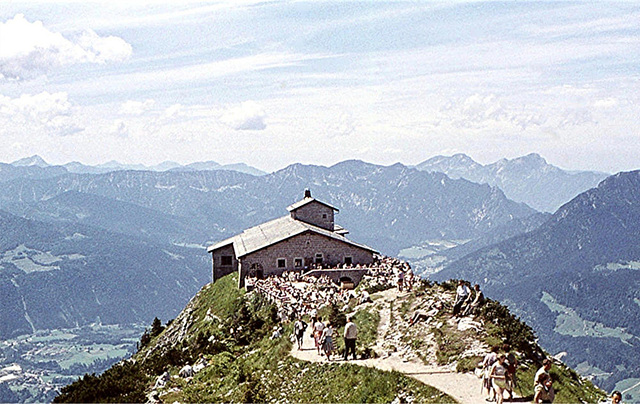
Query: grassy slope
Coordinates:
[244,367]
[501,327]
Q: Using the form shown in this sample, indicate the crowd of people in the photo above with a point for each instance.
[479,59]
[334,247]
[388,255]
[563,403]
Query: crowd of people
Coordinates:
[296,295]
[390,272]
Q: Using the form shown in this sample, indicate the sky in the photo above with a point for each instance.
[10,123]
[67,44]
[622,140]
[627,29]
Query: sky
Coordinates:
[279,82]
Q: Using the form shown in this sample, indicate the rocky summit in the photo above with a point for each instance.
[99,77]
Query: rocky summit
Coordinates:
[229,345]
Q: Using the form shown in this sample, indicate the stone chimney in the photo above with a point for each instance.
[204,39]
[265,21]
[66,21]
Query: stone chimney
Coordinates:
[307,193]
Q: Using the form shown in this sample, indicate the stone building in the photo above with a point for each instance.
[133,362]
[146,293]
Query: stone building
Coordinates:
[306,240]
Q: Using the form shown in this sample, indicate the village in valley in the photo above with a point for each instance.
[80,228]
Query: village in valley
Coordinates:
[36,366]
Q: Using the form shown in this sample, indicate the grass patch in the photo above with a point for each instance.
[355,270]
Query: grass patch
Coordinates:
[468,364]
[268,374]
[450,344]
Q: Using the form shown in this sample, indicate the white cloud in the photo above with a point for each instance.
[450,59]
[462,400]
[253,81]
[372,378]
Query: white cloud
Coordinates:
[247,116]
[136,107]
[41,107]
[482,111]
[50,113]
[173,111]
[608,102]
[28,49]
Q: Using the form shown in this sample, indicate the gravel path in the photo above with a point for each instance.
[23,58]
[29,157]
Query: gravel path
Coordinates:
[463,387]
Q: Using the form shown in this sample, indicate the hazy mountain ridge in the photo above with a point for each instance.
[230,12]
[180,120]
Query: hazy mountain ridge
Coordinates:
[65,275]
[410,205]
[399,204]
[581,267]
[150,211]
[116,216]
[111,166]
[10,172]
[529,179]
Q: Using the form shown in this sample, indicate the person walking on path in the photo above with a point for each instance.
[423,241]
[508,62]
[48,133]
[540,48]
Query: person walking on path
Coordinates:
[318,327]
[400,280]
[327,340]
[487,366]
[298,328]
[512,365]
[350,336]
[498,376]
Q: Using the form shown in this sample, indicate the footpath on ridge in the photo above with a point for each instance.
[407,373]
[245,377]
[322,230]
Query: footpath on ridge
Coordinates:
[463,387]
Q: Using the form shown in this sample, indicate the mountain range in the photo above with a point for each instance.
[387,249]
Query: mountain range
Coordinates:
[575,279]
[78,240]
[145,230]
[529,179]
[79,168]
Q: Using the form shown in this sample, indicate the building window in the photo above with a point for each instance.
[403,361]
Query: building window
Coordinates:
[297,262]
[226,260]
[282,263]
[318,259]
[324,215]
[348,260]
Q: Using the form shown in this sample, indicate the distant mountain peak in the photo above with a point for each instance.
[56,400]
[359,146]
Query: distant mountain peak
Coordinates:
[458,159]
[34,160]
[462,157]
[533,159]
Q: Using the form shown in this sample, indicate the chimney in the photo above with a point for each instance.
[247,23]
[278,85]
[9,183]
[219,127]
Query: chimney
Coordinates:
[307,193]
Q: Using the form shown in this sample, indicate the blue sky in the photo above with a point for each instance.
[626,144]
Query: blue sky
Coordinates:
[273,83]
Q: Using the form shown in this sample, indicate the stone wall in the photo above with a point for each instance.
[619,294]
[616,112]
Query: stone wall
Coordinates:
[304,246]
[336,275]
[315,213]
[220,270]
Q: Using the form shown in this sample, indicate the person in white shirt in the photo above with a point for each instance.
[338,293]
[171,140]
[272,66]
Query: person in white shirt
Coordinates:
[462,294]
[350,336]
[318,327]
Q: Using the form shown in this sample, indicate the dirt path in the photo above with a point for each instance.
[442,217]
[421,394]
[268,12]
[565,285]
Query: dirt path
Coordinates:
[463,387]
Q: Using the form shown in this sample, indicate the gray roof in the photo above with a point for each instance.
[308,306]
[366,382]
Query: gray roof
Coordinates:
[305,201]
[269,233]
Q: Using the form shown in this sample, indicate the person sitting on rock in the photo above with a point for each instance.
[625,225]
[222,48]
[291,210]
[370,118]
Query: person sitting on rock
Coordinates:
[462,294]
[478,301]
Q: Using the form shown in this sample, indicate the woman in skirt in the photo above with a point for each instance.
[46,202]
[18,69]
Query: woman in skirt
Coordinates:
[327,340]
